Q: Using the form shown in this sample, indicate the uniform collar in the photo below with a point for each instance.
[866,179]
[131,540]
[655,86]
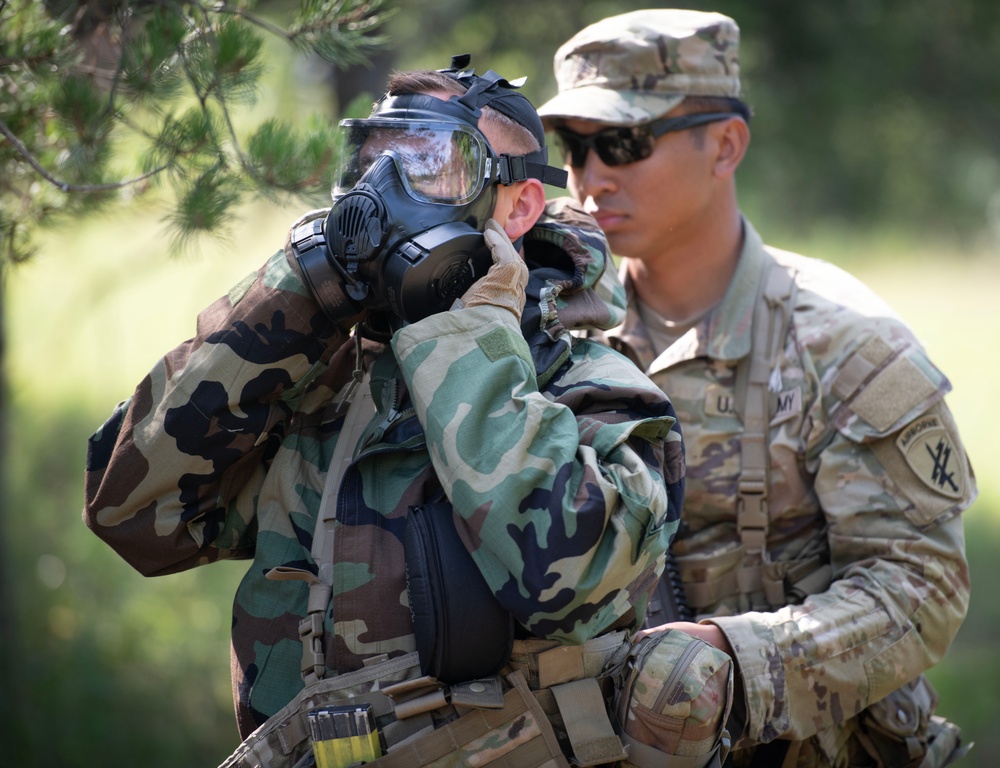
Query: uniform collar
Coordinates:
[723,335]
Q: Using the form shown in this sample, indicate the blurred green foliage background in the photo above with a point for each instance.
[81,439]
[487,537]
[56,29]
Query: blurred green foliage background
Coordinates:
[875,146]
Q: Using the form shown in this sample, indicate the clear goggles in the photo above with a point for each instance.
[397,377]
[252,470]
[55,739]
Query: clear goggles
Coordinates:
[439,162]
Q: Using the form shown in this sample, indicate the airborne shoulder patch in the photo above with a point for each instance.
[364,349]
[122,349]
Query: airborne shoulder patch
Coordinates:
[930,452]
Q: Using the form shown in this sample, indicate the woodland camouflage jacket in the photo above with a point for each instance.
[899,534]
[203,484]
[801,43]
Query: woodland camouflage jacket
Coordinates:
[868,479]
[552,449]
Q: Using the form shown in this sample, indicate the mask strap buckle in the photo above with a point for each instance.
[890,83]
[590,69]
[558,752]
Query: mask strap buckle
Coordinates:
[511,169]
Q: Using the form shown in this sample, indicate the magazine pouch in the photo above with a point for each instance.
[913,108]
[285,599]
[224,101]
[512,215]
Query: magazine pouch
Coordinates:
[900,730]
[283,741]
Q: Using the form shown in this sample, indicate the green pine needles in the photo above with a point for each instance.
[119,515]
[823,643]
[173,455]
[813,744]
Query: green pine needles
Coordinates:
[101,99]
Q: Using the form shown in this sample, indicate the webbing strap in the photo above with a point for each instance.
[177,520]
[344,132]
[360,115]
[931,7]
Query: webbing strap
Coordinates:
[771,315]
[359,413]
[705,594]
[547,662]
[565,663]
[585,717]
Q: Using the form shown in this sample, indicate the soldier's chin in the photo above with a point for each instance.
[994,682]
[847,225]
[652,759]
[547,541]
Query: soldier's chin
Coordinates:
[628,244]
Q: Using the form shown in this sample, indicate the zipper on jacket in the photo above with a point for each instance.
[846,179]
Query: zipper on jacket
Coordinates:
[393,415]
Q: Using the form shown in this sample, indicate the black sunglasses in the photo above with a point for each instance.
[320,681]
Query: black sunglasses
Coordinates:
[629,144]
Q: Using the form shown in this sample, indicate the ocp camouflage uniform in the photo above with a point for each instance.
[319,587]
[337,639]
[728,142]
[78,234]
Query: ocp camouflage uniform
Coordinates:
[865,581]
[563,463]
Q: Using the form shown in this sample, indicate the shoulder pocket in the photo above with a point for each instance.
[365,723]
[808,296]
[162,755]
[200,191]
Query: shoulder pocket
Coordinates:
[879,389]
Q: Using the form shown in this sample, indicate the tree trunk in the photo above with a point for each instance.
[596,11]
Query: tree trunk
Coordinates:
[7,608]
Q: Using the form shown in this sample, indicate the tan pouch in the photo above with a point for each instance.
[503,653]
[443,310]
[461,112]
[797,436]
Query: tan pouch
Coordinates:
[516,736]
[673,702]
[900,730]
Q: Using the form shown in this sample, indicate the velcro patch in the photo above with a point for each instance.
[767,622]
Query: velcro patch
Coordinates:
[896,389]
[497,344]
[930,452]
[859,367]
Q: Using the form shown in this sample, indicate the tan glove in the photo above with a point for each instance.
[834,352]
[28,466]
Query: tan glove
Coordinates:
[503,285]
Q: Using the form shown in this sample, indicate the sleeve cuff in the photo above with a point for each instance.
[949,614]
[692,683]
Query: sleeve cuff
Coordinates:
[759,665]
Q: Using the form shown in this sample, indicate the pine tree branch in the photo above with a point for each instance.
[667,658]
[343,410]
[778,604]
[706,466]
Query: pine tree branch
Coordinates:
[237,147]
[223,7]
[65,186]
[124,63]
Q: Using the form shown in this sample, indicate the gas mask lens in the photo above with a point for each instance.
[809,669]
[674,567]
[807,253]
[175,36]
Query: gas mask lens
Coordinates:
[439,162]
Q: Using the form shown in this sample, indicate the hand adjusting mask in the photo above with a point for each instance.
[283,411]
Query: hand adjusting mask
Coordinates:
[416,187]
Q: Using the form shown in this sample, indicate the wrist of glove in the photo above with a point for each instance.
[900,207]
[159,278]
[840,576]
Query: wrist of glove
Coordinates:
[308,257]
[504,283]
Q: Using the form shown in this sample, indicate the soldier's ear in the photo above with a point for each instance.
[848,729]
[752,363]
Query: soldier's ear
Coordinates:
[519,206]
[732,139]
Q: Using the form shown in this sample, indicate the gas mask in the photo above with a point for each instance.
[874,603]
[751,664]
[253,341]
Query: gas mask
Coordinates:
[416,186]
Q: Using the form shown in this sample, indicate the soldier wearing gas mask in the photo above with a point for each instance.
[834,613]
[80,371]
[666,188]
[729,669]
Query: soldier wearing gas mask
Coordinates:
[448,497]
[417,184]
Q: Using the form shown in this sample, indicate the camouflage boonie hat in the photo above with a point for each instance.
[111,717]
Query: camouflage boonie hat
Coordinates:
[636,67]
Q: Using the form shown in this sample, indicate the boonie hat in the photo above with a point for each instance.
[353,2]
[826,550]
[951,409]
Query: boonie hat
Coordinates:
[635,67]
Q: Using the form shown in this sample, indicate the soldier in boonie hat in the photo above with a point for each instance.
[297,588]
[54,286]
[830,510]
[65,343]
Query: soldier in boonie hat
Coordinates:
[653,130]
[629,69]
